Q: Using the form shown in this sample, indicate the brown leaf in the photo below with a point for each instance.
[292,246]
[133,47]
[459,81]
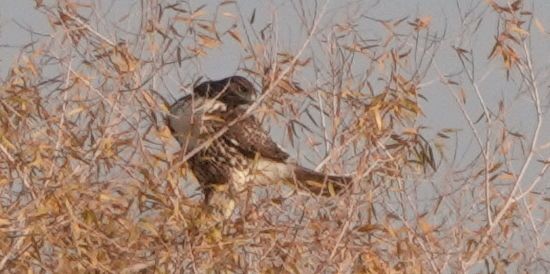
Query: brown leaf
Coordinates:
[421,23]
[539,25]
[376,111]
[208,41]
[235,34]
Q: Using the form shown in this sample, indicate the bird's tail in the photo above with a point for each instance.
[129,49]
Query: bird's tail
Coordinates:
[320,183]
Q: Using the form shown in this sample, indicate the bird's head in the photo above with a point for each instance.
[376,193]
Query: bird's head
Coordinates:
[233,91]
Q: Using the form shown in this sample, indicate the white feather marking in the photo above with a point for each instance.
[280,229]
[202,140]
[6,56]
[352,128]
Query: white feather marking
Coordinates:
[264,172]
[233,141]
[232,150]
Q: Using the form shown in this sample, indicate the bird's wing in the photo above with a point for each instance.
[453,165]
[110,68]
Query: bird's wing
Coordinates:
[183,122]
[250,138]
[247,135]
[187,117]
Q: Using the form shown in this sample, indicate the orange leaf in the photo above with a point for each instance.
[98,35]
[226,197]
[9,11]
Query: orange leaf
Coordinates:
[208,41]
[539,25]
[377,117]
[235,34]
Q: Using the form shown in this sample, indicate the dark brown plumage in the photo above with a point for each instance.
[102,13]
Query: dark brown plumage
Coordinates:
[233,91]
[245,153]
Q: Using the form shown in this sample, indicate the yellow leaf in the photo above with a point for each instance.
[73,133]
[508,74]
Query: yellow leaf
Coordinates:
[164,133]
[75,111]
[148,99]
[105,198]
[410,131]
[149,228]
[198,13]
[215,235]
[75,229]
[539,25]
[235,34]
[3,181]
[370,228]
[191,18]
[122,59]
[208,41]
[208,27]
[425,226]
[4,141]
[229,14]
[199,51]
[377,117]
[422,22]
[4,222]
[462,96]
[506,176]
[518,30]
[215,118]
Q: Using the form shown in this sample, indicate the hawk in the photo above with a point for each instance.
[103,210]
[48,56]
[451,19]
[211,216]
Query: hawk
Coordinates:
[245,153]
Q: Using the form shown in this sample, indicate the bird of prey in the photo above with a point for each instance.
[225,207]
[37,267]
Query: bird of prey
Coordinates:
[245,153]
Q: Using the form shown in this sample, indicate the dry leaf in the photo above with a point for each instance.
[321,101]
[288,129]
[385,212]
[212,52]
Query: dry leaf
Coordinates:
[208,41]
